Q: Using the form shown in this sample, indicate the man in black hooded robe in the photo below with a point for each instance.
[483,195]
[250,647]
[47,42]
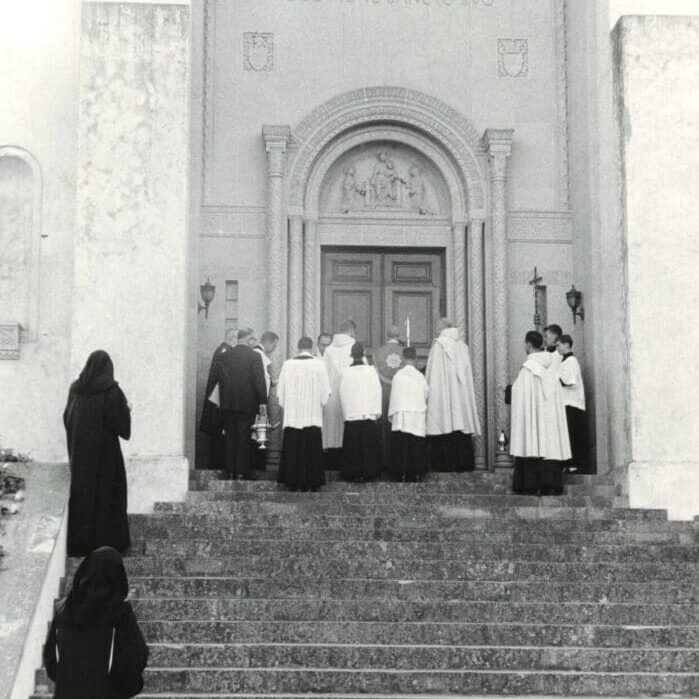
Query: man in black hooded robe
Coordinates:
[96,416]
[211,423]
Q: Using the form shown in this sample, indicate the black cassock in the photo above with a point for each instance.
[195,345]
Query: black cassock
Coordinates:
[409,456]
[361,450]
[96,416]
[211,423]
[301,465]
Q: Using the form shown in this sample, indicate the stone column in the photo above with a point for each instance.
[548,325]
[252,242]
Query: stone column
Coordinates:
[498,143]
[276,142]
[476,338]
[295,280]
[459,242]
[310,247]
[131,293]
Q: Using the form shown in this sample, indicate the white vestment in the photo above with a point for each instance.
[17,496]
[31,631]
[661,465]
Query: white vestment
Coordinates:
[538,419]
[407,409]
[452,403]
[337,356]
[266,361]
[360,393]
[303,390]
[571,382]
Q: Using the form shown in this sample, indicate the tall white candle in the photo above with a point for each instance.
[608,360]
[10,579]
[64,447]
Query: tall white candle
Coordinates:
[407,330]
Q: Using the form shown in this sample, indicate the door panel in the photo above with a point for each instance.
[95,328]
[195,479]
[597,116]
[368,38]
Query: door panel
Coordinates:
[378,289]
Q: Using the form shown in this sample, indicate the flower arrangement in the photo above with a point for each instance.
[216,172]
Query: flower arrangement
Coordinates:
[12,487]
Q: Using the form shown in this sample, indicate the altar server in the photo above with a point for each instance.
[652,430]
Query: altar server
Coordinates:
[539,440]
[452,416]
[360,397]
[573,391]
[387,359]
[407,412]
[337,357]
[303,390]
[552,338]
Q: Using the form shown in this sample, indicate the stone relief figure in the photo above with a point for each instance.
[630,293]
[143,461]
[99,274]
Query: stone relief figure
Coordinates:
[384,182]
[350,191]
[416,189]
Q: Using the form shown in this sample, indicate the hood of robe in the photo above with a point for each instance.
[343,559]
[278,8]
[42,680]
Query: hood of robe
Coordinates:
[342,340]
[449,340]
[98,374]
[99,589]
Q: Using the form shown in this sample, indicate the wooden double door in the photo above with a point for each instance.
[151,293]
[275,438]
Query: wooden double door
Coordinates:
[380,287]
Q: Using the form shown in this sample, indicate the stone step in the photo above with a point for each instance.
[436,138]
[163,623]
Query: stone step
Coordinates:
[411,512]
[396,500]
[422,633]
[236,609]
[140,533]
[403,657]
[680,592]
[514,683]
[410,551]
[229,524]
[387,568]
[430,487]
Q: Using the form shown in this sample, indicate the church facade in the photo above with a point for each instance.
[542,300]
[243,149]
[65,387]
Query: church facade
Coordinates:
[285,164]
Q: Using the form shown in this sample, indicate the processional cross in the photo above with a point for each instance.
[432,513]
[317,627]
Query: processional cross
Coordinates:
[539,301]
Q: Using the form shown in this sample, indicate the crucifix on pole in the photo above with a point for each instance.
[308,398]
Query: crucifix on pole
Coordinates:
[539,301]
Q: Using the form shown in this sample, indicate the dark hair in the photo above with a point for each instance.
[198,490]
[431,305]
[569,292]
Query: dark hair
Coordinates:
[269,336]
[409,353]
[348,325]
[245,332]
[305,343]
[555,329]
[357,353]
[324,334]
[566,340]
[534,339]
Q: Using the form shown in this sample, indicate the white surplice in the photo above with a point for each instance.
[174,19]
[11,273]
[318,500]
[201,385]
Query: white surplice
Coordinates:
[539,428]
[572,382]
[407,409]
[360,393]
[266,361]
[452,403]
[303,389]
[337,356]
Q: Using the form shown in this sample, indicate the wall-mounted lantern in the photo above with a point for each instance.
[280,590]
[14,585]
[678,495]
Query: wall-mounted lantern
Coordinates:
[574,299]
[208,291]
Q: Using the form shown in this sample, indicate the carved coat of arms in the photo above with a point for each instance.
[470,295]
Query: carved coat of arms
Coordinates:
[258,51]
[513,58]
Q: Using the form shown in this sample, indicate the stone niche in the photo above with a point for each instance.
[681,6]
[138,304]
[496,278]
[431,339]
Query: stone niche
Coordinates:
[384,178]
[19,240]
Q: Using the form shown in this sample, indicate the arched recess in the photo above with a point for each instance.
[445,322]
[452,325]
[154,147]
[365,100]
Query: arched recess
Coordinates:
[389,105]
[20,237]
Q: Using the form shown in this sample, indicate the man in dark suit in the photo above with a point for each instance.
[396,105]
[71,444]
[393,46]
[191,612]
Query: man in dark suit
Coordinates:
[241,380]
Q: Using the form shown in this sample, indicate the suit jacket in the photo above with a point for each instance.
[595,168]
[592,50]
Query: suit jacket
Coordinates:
[241,380]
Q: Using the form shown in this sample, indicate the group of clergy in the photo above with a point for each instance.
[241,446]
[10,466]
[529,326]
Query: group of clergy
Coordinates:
[548,426]
[341,412]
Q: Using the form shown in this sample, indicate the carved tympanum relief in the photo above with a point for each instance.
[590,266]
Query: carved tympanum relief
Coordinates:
[382,177]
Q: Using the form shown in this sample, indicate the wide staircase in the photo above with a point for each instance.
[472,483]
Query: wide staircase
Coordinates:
[448,588]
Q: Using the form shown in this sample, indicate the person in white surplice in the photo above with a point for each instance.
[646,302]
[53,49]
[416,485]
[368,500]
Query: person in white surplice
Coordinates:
[303,390]
[407,411]
[360,397]
[539,440]
[452,415]
[337,356]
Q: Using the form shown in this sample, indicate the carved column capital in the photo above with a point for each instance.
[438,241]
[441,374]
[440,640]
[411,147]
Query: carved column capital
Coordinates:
[498,145]
[276,145]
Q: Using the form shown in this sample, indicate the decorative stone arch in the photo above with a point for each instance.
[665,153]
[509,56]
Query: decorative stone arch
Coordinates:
[382,105]
[21,321]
